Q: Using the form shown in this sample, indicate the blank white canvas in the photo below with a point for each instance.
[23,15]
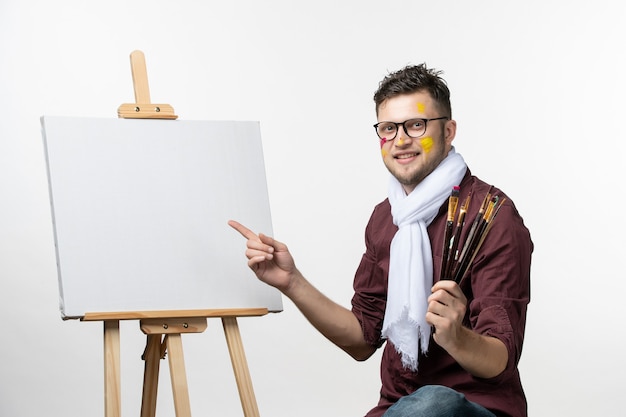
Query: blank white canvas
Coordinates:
[140,211]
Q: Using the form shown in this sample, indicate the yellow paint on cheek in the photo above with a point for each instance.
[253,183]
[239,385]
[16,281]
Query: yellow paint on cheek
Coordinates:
[421,107]
[427,144]
[384,152]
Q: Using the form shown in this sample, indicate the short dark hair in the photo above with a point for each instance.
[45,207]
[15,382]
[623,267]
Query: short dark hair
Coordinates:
[414,78]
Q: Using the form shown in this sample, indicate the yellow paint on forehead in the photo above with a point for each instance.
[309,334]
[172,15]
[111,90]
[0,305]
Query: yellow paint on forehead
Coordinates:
[421,107]
[427,144]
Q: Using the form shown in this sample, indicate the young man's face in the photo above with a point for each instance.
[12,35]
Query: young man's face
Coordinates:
[409,159]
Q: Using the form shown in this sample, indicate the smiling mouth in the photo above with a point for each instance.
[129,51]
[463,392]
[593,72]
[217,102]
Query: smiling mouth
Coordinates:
[406,155]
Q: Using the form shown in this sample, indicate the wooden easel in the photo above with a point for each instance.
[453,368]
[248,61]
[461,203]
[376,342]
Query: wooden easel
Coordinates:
[164,329]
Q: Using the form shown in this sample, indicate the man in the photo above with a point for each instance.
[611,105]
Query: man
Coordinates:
[452,349]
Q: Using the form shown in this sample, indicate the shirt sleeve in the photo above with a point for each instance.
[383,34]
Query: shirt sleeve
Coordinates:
[370,281]
[500,284]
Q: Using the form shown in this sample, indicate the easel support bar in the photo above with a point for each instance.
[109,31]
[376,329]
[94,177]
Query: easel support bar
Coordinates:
[178,375]
[153,354]
[112,401]
[240,367]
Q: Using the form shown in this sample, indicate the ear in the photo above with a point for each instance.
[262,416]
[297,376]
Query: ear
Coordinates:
[449,131]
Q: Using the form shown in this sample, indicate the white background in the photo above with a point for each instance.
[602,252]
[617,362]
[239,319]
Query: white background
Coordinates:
[538,93]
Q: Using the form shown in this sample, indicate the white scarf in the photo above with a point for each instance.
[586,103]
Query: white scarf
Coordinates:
[411,260]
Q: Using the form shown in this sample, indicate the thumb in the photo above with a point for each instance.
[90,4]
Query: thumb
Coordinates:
[270,241]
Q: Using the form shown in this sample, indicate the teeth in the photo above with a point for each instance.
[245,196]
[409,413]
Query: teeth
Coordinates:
[404,156]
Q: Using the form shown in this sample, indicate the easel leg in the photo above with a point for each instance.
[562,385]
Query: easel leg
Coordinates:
[178,375]
[240,367]
[152,356]
[112,404]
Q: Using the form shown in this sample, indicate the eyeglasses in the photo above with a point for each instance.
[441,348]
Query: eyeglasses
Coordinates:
[414,128]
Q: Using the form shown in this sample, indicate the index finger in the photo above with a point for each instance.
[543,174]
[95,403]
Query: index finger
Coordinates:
[243,230]
[450,287]
[446,285]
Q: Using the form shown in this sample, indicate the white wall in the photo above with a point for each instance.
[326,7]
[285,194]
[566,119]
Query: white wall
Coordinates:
[538,91]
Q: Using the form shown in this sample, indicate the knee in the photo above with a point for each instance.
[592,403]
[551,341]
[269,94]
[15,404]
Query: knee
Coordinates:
[441,393]
[430,400]
[438,397]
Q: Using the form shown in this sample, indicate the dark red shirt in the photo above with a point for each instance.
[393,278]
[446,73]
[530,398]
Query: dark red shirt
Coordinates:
[497,288]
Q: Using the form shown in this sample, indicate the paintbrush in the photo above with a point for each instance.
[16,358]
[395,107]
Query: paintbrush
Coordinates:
[453,254]
[453,202]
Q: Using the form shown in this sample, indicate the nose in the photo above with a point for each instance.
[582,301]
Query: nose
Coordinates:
[402,139]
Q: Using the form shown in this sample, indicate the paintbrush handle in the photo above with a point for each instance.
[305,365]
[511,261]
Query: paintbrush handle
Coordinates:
[454,251]
[446,249]
[453,202]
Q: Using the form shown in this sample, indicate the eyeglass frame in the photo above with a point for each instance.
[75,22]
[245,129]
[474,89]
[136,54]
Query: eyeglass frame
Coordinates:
[404,126]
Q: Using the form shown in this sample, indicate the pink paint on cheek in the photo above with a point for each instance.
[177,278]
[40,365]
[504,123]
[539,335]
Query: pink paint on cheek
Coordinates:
[382,142]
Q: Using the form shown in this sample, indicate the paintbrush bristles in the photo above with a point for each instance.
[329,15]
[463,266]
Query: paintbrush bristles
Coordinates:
[453,253]
[453,202]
